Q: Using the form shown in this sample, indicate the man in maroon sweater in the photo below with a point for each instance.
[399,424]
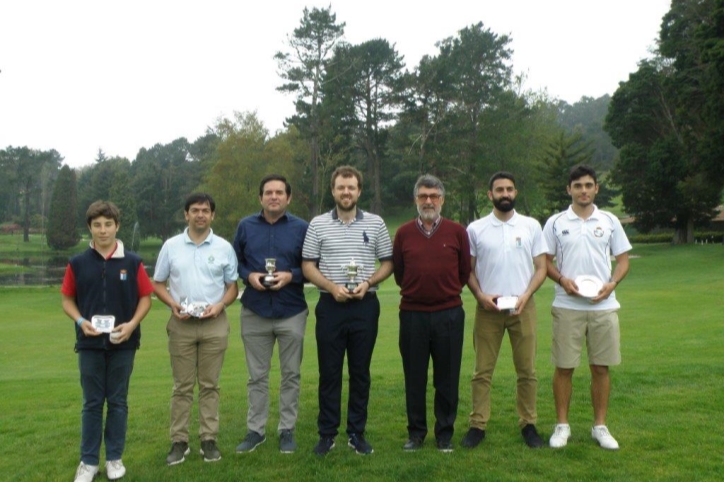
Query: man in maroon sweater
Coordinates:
[432,265]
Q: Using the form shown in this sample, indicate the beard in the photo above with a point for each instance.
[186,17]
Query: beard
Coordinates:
[428,214]
[504,205]
[347,209]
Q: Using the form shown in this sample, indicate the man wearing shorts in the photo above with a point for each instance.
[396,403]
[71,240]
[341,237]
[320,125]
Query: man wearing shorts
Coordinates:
[582,240]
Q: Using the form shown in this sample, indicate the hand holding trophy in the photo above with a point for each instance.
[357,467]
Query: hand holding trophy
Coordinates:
[351,270]
[270,266]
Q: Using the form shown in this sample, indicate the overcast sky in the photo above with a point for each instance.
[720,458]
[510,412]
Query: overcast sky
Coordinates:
[78,76]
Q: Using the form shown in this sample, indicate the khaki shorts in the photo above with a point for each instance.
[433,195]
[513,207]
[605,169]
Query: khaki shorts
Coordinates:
[598,328]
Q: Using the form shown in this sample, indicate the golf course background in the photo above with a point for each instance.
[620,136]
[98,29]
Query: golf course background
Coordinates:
[666,407]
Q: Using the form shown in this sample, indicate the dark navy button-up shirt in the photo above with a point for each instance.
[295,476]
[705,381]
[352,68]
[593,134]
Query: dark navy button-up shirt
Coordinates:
[256,240]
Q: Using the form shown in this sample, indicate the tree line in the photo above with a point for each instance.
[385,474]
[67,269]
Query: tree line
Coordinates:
[460,114]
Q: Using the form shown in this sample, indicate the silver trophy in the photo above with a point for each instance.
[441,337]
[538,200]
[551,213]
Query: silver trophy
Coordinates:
[352,270]
[270,266]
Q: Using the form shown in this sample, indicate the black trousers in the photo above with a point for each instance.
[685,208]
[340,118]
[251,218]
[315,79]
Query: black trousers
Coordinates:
[349,327]
[437,335]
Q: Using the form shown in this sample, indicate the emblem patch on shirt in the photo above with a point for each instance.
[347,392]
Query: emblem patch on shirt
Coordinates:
[365,238]
[211,259]
[518,243]
[124,275]
[565,232]
[598,232]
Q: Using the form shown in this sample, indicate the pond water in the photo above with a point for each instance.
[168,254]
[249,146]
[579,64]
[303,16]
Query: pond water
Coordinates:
[43,271]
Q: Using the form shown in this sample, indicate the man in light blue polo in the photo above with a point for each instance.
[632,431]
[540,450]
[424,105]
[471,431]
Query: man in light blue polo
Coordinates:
[201,270]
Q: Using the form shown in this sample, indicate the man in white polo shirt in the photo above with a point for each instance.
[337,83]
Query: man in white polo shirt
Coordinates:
[509,265]
[582,239]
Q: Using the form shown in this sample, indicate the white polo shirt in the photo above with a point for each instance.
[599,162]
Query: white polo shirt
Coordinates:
[584,247]
[199,273]
[504,252]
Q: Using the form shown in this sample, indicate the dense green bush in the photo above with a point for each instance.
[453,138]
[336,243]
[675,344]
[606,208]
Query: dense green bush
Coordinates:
[700,237]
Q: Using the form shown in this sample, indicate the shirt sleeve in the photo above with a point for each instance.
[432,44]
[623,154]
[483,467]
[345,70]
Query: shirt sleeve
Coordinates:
[145,288]
[539,245]
[239,244]
[464,264]
[384,243]
[231,270]
[68,287]
[471,240]
[619,242]
[549,237]
[311,248]
[162,270]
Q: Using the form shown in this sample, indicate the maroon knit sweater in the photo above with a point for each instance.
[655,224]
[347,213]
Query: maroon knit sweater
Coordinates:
[431,272]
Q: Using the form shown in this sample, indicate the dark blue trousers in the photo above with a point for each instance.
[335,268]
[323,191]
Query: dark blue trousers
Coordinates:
[341,328]
[104,377]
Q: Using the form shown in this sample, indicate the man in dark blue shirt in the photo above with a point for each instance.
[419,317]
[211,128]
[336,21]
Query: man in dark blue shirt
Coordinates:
[268,246]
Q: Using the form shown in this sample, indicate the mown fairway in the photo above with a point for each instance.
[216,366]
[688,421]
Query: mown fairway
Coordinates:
[665,410]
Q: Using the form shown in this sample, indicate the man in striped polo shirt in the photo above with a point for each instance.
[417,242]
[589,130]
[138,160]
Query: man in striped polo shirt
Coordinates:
[347,316]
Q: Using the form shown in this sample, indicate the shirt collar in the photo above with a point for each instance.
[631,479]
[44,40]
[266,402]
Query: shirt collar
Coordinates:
[358,216]
[187,239]
[117,252]
[262,218]
[512,221]
[572,216]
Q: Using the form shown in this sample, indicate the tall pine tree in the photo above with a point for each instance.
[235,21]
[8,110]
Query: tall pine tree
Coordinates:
[62,229]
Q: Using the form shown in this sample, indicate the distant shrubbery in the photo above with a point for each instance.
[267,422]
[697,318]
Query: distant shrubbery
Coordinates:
[701,237]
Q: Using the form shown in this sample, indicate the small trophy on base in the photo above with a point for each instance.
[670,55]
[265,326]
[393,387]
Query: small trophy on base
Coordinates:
[351,270]
[270,266]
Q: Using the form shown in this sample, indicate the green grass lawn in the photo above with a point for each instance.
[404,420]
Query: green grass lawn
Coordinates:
[665,408]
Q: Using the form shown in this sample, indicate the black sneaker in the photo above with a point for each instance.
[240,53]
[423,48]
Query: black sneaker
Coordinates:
[178,453]
[444,446]
[532,439]
[287,445]
[250,442]
[413,444]
[473,438]
[210,451]
[324,445]
[359,444]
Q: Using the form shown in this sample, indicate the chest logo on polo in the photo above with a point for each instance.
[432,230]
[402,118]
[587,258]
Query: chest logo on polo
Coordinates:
[365,238]
[518,243]
[565,232]
[211,259]
[598,232]
[124,275]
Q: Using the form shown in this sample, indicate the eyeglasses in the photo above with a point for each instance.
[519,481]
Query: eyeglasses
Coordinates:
[431,197]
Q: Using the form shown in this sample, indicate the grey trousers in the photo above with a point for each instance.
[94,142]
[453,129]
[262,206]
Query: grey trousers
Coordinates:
[259,336]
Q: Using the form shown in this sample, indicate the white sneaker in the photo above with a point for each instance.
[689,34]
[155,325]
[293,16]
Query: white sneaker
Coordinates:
[85,473]
[601,434]
[560,436]
[115,469]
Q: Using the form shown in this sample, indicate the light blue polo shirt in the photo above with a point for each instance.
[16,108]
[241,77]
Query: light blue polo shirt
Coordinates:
[199,272]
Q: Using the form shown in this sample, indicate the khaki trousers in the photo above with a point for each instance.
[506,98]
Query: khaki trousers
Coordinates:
[197,347]
[490,328]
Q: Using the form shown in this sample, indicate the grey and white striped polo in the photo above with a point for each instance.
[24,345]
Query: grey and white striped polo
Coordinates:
[334,244]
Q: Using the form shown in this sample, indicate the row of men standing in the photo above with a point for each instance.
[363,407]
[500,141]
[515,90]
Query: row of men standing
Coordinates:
[504,254]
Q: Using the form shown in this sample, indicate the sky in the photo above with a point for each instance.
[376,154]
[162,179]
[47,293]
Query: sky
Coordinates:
[82,75]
